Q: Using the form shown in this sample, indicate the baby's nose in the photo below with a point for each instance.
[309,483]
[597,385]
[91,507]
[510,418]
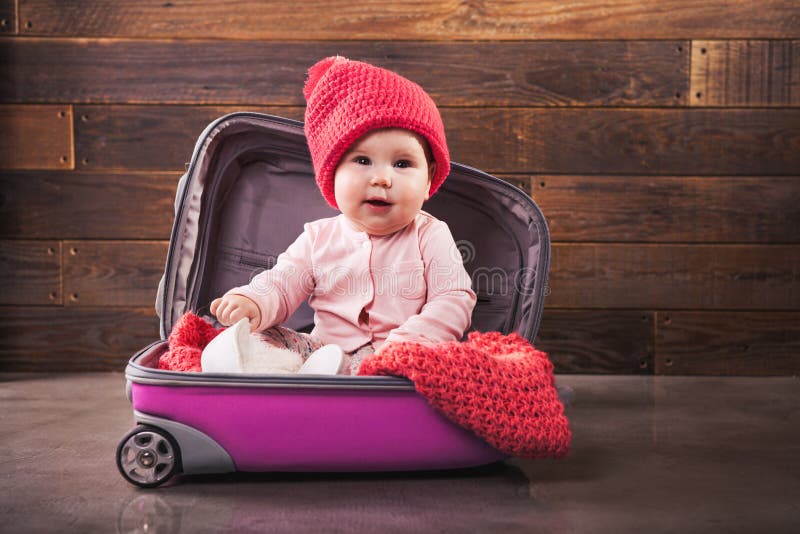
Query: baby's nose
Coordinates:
[382,178]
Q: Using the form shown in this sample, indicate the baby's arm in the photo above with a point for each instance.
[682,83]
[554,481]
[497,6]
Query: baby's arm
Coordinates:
[447,312]
[277,292]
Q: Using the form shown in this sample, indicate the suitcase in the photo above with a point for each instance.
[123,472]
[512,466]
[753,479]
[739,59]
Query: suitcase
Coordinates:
[245,196]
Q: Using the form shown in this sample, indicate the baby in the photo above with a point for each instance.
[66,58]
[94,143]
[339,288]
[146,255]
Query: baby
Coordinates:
[383,270]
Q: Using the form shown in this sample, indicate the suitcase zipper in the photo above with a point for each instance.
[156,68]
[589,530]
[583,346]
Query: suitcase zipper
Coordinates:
[543,268]
[169,279]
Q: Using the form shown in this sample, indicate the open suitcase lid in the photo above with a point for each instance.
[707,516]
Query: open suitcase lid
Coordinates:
[250,187]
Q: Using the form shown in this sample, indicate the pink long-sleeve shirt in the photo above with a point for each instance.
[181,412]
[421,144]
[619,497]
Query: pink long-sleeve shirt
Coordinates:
[407,286]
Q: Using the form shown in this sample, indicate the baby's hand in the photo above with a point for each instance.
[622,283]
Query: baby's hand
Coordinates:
[230,309]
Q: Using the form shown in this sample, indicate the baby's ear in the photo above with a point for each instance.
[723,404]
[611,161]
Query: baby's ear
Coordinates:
[431,172]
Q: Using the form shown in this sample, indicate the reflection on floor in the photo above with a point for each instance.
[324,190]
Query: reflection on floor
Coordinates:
[664,454]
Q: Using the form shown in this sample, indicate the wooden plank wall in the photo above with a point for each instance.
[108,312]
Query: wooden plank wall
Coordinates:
[661,138]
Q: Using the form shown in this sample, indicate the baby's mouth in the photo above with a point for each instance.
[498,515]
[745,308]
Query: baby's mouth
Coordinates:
[377,202]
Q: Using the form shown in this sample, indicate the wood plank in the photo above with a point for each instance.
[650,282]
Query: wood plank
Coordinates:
[8,17]
[670,209]
[36,137]
[699,343]
[598,341]
[728,343]
[112,273]
[30,272]
[629,141]
[523,182]
[563,141]
[55,338]
[578,208]
[78,205]
[429,20]
[745,73]
[147,137]
[573,73]
[645,276]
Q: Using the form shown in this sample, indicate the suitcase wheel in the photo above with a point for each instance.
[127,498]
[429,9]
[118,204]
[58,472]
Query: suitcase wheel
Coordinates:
[148,456]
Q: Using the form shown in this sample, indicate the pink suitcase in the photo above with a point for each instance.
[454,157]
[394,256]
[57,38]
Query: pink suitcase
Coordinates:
[244,198]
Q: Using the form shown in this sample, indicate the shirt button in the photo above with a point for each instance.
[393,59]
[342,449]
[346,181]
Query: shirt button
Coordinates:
[365,244]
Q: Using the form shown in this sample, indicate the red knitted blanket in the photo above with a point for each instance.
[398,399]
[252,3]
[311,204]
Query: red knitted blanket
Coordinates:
[188,338]
[496,385]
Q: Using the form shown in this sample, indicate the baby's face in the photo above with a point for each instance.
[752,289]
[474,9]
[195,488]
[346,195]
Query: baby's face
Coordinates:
[382,181]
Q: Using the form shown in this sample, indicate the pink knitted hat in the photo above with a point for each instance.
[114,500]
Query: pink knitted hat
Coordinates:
[346,99]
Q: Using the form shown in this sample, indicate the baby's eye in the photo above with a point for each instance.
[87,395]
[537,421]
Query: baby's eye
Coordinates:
[362,160]
[403,164]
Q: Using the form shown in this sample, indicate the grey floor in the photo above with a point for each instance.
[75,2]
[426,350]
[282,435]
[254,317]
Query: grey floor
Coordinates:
[649,455]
